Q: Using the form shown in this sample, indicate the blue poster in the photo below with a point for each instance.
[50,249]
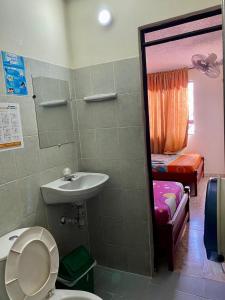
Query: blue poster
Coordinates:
[14,70]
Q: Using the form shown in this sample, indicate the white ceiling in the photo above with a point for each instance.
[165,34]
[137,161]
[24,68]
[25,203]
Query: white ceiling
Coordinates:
[177,54]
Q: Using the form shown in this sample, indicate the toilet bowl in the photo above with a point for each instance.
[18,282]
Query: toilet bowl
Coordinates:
[29,262]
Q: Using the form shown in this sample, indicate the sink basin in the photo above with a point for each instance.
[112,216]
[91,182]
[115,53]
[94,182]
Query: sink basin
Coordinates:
[83,186]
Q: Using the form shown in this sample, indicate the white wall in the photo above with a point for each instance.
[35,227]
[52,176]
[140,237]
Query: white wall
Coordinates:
[34,28]
[208,139]
[92,44]
[37,29]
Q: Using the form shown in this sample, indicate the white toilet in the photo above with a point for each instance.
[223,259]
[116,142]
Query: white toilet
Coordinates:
[29,262]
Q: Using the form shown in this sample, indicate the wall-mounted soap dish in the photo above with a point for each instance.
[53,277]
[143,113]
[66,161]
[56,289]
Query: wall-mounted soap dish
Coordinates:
[101,97]
[53,103]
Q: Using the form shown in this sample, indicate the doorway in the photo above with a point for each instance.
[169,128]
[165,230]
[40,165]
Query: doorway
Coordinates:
[191,39]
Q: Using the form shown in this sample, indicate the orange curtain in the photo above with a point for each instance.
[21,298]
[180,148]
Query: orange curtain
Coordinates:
[168,110]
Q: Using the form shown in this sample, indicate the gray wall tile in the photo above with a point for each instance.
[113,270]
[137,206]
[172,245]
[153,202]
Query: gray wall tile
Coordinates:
[66,153]
[55,124]
[48,158]
[27,158]
[129,110]
[23,171]
[132,173]
[127,75]
[112,142]
[119,258]
[82,82]
[135,204]
[112,204]
[49,175]
[107,143]
[137,261]
[8,167]
[136,234]
[131,140]
[90,165]
[102,78]
[88,143]
[95,222]
[40,216]
[112,232]
[112,167]
[86,117]
[74,114]
[39,68]
[109,138]
[96,114]
[29,189]
[46,88]
[12,206]
[105,114]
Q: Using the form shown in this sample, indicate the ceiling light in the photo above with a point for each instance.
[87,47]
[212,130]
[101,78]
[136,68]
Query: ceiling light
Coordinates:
[104,17]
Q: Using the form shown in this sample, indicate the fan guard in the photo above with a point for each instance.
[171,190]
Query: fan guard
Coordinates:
[207,64]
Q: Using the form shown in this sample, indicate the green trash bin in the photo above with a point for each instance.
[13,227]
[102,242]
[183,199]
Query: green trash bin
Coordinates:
[76,271]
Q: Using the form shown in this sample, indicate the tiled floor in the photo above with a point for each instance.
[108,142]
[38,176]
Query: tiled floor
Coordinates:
[195,278]
[116,285]
[191,256]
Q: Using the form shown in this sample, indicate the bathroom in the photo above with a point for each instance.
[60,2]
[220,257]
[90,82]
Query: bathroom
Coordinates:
[68,56]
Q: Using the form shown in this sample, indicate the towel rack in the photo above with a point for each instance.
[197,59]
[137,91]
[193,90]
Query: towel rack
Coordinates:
[53,103]
[101,97]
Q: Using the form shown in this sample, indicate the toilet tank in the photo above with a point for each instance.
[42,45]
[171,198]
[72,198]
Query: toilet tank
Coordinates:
[6,242]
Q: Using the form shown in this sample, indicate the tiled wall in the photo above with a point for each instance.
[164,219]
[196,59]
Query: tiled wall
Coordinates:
[23,171]
[55,125]
[109,138]
[112,141]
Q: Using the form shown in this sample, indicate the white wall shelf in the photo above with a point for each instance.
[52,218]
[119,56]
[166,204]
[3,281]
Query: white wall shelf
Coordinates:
[53,103]
[101,97]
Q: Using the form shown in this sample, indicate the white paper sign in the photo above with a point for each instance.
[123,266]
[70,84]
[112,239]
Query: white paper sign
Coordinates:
[11,136]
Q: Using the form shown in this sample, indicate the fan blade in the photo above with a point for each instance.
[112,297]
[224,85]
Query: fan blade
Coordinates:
[213,71]
[220,62]
[197,57]
[199,61]
[206,65]
[211,59]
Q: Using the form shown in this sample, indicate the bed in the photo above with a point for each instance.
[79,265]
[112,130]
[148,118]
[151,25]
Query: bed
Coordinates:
[185,168]
[171,204]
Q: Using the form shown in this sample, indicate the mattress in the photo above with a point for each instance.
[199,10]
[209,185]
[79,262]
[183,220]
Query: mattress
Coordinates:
[167,197]
[184,163]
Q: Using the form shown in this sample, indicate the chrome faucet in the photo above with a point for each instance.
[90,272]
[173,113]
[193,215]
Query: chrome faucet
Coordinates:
[69,177]
[67,174]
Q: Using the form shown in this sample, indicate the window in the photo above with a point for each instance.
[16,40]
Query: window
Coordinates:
[191,125]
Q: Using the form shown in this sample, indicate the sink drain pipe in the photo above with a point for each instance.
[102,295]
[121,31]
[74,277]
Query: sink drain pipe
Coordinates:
[79,218]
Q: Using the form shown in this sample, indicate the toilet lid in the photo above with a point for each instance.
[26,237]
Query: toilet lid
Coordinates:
[32,265]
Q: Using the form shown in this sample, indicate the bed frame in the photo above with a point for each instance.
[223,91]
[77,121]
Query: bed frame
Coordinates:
[190,179]
[169,235]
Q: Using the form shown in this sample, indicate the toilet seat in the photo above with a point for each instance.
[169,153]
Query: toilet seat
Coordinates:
[35,249]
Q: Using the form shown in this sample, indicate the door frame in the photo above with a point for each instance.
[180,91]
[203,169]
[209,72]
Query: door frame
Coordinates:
[142,30]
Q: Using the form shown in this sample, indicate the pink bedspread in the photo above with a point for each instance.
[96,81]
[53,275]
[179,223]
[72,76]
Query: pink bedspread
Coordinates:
[167,196]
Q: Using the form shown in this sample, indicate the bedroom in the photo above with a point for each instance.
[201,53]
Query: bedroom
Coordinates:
[184,63]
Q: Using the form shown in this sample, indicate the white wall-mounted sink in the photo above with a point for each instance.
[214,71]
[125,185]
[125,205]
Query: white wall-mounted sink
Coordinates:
[82,186]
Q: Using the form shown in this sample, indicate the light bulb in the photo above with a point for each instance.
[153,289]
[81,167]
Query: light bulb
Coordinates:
[104,17]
